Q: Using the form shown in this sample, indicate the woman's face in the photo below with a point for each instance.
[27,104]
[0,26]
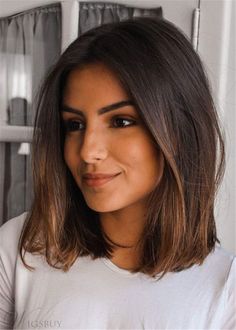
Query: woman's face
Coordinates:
[108,141]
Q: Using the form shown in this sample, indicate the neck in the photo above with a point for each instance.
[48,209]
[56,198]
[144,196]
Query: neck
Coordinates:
[125,227]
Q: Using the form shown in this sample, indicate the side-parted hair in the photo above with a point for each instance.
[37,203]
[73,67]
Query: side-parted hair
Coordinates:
[164,77]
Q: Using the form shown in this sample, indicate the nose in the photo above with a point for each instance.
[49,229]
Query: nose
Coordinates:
[93,147]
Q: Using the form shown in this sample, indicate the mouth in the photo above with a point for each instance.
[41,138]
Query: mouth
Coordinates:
[99,181]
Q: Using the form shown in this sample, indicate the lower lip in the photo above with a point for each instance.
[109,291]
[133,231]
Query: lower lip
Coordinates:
[98,182]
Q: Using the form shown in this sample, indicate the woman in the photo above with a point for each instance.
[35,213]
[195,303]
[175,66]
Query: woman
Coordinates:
[121,233]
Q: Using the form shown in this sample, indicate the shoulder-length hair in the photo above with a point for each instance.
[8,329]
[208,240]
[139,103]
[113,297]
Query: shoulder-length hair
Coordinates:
[164,76]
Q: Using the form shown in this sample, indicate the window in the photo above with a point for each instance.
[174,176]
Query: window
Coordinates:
[30,42]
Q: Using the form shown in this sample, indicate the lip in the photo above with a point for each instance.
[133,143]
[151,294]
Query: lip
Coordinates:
[96,180]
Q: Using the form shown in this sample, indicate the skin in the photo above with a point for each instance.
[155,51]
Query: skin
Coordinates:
[106,144]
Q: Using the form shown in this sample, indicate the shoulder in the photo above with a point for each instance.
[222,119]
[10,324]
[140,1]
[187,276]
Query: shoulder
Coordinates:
[213,278]
[225,265]
[220,269]
[219,265]
[221,260]
[9,237]
[208,288]
[14,225]
[10,233]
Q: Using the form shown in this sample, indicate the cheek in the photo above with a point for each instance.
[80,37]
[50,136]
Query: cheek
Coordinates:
[69,155]
[144,162]
[140,153]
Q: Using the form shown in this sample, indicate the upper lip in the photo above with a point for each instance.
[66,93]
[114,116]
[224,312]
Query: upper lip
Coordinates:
[98,175]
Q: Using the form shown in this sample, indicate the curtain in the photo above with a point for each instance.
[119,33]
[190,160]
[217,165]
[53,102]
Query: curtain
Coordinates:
[92,14]
[30,42]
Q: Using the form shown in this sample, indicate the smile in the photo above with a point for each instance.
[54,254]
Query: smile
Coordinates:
[98,182]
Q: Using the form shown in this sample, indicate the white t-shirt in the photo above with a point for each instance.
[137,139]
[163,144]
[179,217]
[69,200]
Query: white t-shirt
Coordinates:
[97,294]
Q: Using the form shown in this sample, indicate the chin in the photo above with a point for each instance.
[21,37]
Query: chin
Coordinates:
[103,207]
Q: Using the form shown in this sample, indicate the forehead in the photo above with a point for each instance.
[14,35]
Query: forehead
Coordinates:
[94,80]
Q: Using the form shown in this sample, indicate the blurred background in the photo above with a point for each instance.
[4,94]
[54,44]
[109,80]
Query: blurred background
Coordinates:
[33,33]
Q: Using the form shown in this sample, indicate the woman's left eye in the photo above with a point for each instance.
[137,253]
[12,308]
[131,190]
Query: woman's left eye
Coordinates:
[123,122]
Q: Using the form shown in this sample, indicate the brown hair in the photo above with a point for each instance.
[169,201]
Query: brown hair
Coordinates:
[165,78]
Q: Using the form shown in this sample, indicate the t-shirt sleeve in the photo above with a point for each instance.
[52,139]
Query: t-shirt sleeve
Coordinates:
[229,319]
[6,291]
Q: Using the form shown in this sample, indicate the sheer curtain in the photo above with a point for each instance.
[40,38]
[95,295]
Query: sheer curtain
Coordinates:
[30,42]
[92,14]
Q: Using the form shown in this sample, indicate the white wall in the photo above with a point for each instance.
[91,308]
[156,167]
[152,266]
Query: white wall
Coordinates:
[217,47]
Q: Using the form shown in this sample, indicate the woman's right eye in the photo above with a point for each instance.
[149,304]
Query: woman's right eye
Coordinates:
[72,125]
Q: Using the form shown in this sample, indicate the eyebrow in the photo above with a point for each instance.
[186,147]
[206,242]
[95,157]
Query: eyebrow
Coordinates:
[101,111]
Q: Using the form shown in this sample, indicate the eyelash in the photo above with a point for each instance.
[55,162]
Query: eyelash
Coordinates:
[69,122]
